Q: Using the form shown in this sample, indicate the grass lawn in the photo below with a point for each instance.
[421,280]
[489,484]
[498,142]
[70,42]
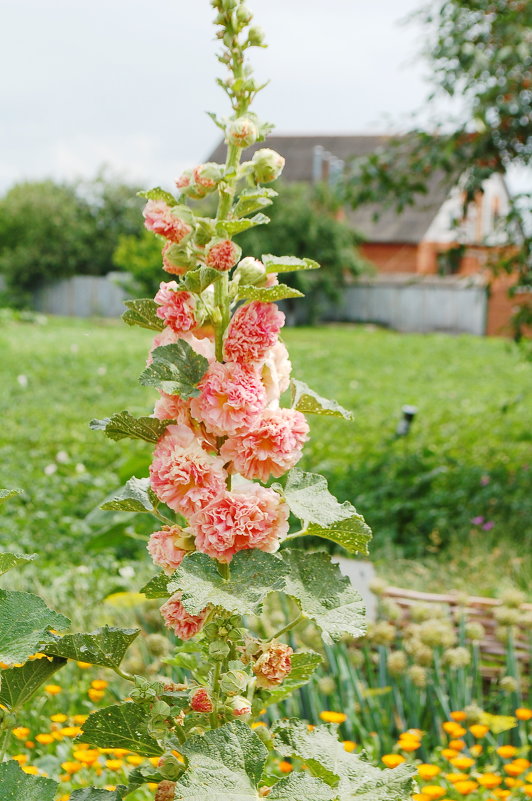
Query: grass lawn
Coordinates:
[465,458]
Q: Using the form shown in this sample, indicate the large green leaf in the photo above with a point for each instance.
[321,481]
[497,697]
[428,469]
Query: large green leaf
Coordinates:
[253,575]
[268,293]
[323,594]
[304,663]
[133,497]
[142,312]
[122,424]
[24,623]
[11,560]
[305,400]
[157,587]
[20,683]
[322,515]
[301,787]
[225,764]
[105,646]
[251,200]
[176,369]
[158,194]
[287,264]
[8,493]
[19,786]
[94,794]
[198,280]
[232,227]
[121,726]
[326,758]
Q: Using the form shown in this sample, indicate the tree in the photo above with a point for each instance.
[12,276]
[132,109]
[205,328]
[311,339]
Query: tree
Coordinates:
[479,53]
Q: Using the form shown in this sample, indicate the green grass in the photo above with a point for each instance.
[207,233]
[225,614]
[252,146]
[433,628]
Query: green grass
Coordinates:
[465,457]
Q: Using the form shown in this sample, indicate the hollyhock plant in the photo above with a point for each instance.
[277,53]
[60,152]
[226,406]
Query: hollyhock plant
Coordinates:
[172,407]
[222,255]
[273,665]
[236,521]
[176,309]
[163,547]
[231,398]
[253,330]
[158,217]
[176,617]
[270,448]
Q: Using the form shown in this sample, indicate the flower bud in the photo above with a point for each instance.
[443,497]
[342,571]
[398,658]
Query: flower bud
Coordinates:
[474,631]
[457,657]
[201,701]
[250,271]
[240,707]
[509,684]
[506,615]
[256,36]
[512,597]
[176,260]
[267,165]
[157,644]
[218,650]
[244,15]
[223,254]
[241,132]
[381,633]
[184,180]
[170,768]
[234,682]
[417,675]
[207,176]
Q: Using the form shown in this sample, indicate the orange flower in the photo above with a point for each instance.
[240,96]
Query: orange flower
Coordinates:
[457,745]
[349,746]
[45,739]
[458,716]
[462,762]
[476,750]
[513,770]
[71,767]
[527,789]
[523,713]
[524,763]
[285,767]
[427,771]
[59,718]
[21,732]
[333,717]
[456,777]
[478,730]
[392,760]
[511,782]
[99,684]
[507,751]
[489,780]
[52,689]
[95,695]
[433,791]
[449,753]
[409,745]
[465,787]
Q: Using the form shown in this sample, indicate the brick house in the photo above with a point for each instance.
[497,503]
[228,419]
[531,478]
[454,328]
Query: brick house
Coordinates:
[429,239]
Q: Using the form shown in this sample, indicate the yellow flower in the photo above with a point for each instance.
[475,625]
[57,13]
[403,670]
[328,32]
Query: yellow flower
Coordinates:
[476,750]
[20,758]
[99,684]
[456,777]
[70,731]
[408,744]
[489,780]
[462,762]
[79,720]
[349,746]
[527,789]
[31,769]
[478,730]
[135,759]
[513,770]
[458,716]
[83,665]
[285,767]
[453,729]
[71,767]
[457,745]
[523,713]
[44,739]
[524,763]
[449,753]
[257,724]
[392,760]
[427,771]
[95,695]
[333,717]
[52,689]
[114,764]
[507,751]
[87,756]
[502,793]
[511,782]
[154,761]
[420,797]
[465,787]
[433,791]
[21,732]
[59,718]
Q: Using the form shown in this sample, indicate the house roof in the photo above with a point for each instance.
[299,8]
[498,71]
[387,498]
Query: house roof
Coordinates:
[298,150]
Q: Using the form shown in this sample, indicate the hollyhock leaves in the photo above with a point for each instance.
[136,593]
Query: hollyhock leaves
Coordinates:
[19,684]
[142,312]
[301,787]
[121,726]
[157,587]
[323,594]
[122,424]
[305,400]
[251,200]
[198,280]
[135,496]
[225,764]
[176,369]
[326,758]
[10,560]
[105,646]
[268,293]
[94,794]
[158,194]
[232,227]
[304,663]
[253,575]
[19,786]
[25,623]
[322,515]
[287,264]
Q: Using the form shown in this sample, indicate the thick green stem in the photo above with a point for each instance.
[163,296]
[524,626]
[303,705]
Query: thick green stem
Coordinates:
[215,695]
[123,674]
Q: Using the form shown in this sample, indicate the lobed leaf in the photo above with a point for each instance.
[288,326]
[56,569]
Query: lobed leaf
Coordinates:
[105,647]
[19,684]
[304,663]
[326,758]
[323,594]
[198,280]
[176,369]
[287,264]
[26,621]
[253,575]
[133,497]
[95,794]
[232,227]
[268,294]
[157,587]
[301,787]
[158,194]
[308,497]
[305,400]
[251,200]
[121,726]
[142,312]
[19,786]
[122,424]
[10,560]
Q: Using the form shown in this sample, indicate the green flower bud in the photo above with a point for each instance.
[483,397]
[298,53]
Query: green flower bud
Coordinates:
[391,610]
[457,657]
[417,675]
[357,658]
[437,632]
[381,633]
[474,631]
[240,707]
[244,15]
[267,165]
[509,684]
[249,271]
[397,662]
[378,586]
[512,597]
[507,615]
[474,714]
[256,36]
[241,132]
[170,768]
[234,682]
[218,650]
[263,733]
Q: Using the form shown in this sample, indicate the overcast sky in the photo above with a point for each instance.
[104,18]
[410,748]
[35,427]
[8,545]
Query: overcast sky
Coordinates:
[127,82]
